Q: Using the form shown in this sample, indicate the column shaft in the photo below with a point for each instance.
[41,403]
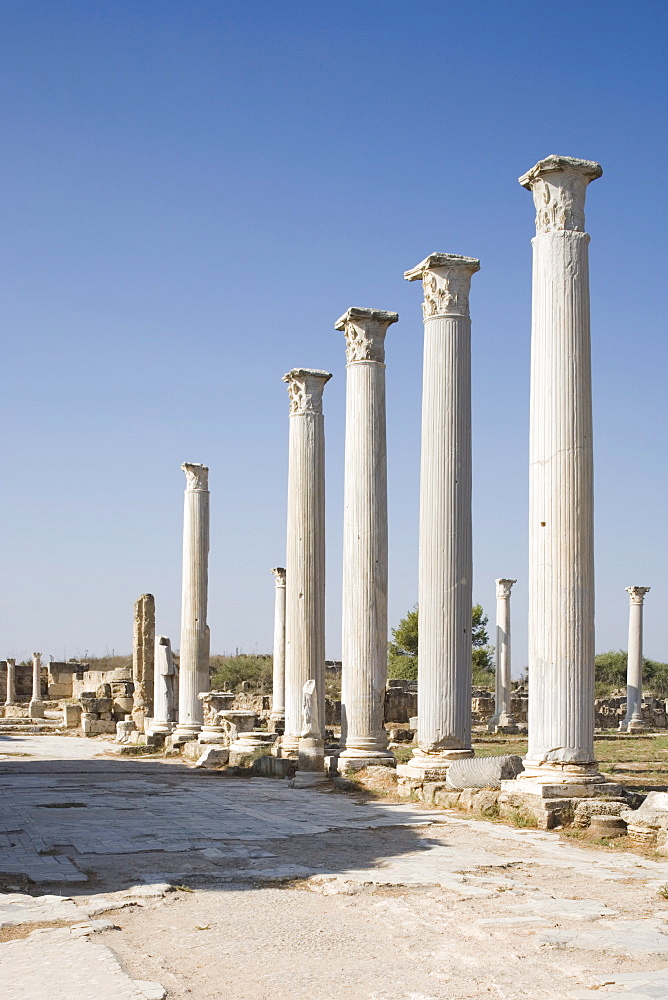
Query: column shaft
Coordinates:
[11,682]
[278,680]
[446,563]
[561,554]
[633,718]
[305,551]
[502,718]
[194,651]
[364,656]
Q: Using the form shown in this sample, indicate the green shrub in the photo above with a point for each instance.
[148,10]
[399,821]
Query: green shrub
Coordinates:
[228,673]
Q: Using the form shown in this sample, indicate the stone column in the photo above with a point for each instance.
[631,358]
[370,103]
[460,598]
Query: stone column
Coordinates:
[36,709]
[277,716]
[305,555]
[11,682]
[561,532]
[194,652]
[446,561]
[143,653]
[364,666]
[502,720]
[163,686]
[633,722]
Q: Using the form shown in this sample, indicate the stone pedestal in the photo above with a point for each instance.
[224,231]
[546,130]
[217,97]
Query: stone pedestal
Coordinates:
[561,552]
[143,657]
[364,658]
[36,704]
[446,562]
[502,720]
[305,555]
[11,681]
[633,721]
[277,716]
[163,687]
[194,652]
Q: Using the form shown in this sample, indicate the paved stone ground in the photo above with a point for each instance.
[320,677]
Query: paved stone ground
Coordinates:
[154,872]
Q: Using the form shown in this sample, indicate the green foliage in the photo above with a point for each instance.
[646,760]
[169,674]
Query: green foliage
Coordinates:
[402,652]
[230,672]
[402,661]
[611,674]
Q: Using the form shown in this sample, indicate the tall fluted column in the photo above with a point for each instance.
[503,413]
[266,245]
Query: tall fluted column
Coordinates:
[364,660]
[634,720]
[36,704]
[561,530]
[446,561]
[163,686]
[194,652]
[305,556]
[278,681]
[502,720]
[11,682]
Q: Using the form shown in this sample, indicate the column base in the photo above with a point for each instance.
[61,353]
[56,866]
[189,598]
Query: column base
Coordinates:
[431,766]
[277,723]
[212,734]
[36,709]
[159,728]
[309,779]
[186,731]
[633,726]
[352,759]
[289,747]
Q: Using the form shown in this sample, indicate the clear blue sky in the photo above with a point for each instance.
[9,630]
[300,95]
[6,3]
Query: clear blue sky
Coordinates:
[195,191]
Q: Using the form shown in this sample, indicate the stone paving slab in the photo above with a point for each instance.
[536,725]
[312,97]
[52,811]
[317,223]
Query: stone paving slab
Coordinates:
[57,965]
[634,986]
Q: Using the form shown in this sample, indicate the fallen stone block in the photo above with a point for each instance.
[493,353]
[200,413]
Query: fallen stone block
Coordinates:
[213,756]
[483,772]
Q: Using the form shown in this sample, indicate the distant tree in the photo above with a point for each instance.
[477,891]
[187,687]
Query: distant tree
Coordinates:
[402,652]
[611,674]
[402,658]
[228,673]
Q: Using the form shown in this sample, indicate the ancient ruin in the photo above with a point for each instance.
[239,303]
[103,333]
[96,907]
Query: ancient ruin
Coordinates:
[446,558]
[364,656]
[194,652]
[633,720]
[305,551]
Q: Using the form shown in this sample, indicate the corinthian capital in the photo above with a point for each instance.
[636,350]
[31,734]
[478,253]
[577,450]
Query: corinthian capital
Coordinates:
[559,185]
[197,476]
[365,331]
[637,594]
[446,280]
[279,573]
[503,587]
[305,387]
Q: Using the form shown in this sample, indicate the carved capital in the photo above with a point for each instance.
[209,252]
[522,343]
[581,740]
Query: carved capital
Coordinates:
[559,185]
[11,662]
[305,387]
[503,587]
[37,658]
[446,280]
[279,573]
[365,331]
[637,594]
[197,477]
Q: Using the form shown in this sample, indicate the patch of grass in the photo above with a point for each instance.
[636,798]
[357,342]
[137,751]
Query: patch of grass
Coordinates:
[522,819]
[403,754]
[182,888]
[140,751]
[663,891]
